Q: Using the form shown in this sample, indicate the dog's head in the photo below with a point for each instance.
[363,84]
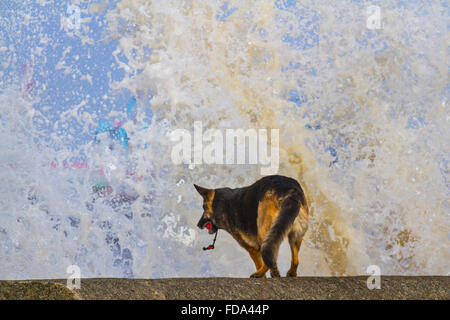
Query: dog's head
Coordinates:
[208,219]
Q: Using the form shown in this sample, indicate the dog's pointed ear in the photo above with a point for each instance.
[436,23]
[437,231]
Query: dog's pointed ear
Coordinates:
[203,191]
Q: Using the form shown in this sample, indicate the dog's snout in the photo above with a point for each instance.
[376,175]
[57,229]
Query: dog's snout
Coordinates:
[201,223]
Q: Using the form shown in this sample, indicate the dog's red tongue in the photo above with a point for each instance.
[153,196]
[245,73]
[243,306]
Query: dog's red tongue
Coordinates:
[208,226]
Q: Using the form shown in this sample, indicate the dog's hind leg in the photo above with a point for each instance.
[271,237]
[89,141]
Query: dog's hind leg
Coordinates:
[278,229]
[267,212]
[295,243]
[295,237]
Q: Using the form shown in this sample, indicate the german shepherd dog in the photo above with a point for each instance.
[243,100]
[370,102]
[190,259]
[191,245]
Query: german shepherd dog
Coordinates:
[258,217]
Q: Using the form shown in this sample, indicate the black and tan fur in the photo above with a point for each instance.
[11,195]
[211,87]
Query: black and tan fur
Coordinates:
[259,217]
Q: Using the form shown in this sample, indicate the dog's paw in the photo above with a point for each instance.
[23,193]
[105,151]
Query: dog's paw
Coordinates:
[275,273]
[291,274]
[256,275]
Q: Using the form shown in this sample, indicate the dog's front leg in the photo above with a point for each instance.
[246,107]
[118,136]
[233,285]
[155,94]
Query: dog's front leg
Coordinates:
[261,268]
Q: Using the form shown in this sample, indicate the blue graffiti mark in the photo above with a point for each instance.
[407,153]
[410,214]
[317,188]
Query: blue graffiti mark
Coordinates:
[103,126]
[302,42]
[306,35]
[124,258]
[226,12]
[131,108]
[305,68]
[315,127]
[333,153]
[291,66]
[298,98]
[119,134]
[113,241]
[415,122]
[74,222]
[286,5]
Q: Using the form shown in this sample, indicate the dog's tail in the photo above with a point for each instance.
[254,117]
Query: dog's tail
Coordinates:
[289,211]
